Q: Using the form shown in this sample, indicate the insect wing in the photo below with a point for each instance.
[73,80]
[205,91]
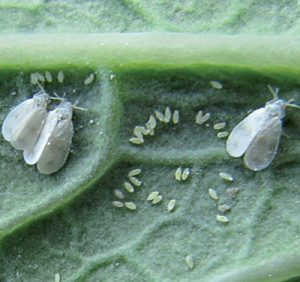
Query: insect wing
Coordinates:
[32,155]
[243,134]
[15,118]
[23,124]
[264,146]
[28,133]
[57,150]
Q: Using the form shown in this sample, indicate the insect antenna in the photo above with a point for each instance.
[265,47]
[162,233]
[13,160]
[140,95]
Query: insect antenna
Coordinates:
[289,104]
[273,91]
[79,108]
[41,87]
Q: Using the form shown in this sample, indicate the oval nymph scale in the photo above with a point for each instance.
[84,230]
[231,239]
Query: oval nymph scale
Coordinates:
[53,145]
[258,135]
[23,124]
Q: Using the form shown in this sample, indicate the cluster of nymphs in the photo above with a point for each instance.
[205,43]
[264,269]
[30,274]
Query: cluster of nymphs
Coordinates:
[224,207]
[140,131]
[130,188]
[44,136]
[154,197]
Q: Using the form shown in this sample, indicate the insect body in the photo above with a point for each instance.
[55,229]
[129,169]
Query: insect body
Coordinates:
[258,135]
[53,145]
[24,123]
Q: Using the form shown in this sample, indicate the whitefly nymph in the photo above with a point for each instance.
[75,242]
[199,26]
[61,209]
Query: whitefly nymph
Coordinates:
[257,136]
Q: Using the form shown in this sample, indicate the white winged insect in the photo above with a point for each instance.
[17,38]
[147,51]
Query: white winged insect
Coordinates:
[51,150]
[258,135]
[24,123]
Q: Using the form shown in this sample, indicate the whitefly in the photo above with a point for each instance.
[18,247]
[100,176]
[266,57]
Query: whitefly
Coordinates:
[23,124]
[257,136]
[51,150]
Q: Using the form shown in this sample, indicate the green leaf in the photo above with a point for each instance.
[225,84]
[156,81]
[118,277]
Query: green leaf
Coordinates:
[225,17]
[66,223]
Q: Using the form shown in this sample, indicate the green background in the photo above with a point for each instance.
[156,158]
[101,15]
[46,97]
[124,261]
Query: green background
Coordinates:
[148,55]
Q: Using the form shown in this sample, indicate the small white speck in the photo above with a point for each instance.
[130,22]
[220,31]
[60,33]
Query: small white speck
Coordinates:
[152,195]
[222,218]
[48,76]
[223,208]
[189,261]
[168,115]
[216,84]
[220,125]
[135,181]
[60,77]
[119,194]
[226,176]
[175,117]
[136,140]
[40,77]
[202,118]
[130,205]
[139,131]
[118,204]
[91,121]
[171,205]
[160,116]
[232,192]
[213,194]
[178,174]
[151,123]
[89,79]
[135,172]
[128,186]
[222,134]
[157,199]
[185,174]
[56,277]
[14,93]
[33,78]
[112,76]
